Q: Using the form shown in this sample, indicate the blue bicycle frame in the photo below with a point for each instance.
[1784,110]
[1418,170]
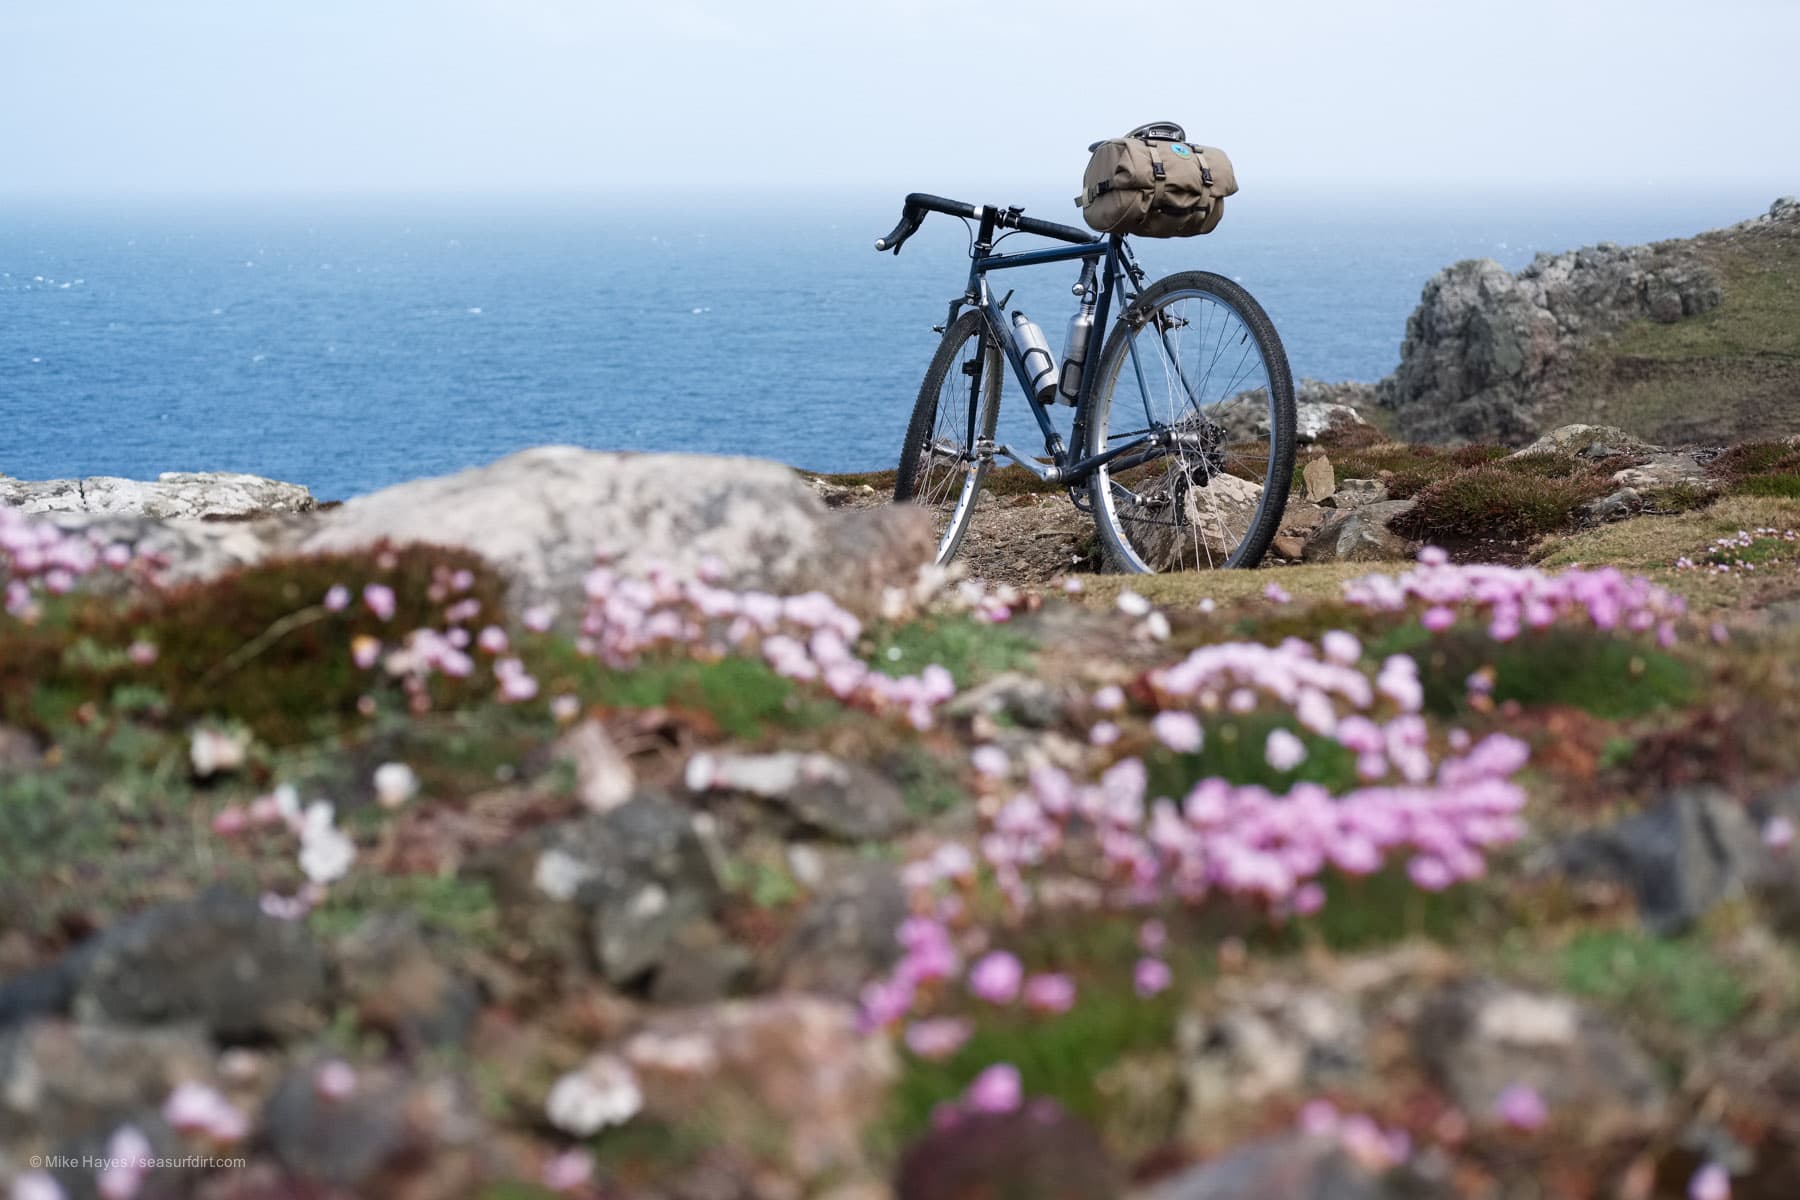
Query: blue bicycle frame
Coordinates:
[1117,271]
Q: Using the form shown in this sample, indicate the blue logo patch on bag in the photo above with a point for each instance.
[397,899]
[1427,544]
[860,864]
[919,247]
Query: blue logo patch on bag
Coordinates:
[1180,149]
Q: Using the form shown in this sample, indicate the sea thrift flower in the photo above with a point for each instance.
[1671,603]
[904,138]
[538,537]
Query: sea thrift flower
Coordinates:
[1521,1107]
[1438,618]
[938,1037]
[996,1090]
[1132,604]
[492,640]
[141,653]
[197,1108]
[1710,1182]
[569,1171]
[1319,1118]
[1276,594]
[516,685]
[1049,993]
[990,761]
[395,784]
[1778,833]
[1105,733]
[1179,731]
[1309,898]
[128,1153]
[365,651]
[539,617]
[337,598]
[565,708]
[603,1092]
[1110,698]
[1283,750]
[1151,977]
[1153,937]
[380,599]
[37,1185]
[996,977]
[214,751]
[334,1080]
[1341,647]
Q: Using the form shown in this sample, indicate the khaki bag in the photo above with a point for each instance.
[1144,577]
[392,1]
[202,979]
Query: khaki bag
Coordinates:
[1153,182]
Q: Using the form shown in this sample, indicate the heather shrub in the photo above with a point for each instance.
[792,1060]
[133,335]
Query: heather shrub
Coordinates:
[1493,502]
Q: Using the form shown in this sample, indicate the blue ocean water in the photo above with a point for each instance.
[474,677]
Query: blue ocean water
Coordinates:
[352,344]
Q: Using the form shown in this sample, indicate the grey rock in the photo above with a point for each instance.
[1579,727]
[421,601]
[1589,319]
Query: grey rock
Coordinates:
[1284,1168]
[174,495]
[1479,1037]
[613,888]
[393,975]
[541,515]
[1694,848]
[1267,1040]
[1586,441]
[1487,353]
[19,753]
[1662,470]
[702,965]
[61,1081]
[1626,502]
[1320,410]
[217,960]
[1356,493]
[1361,534]
[394,1134]
[845,935]
[834,796]
[1023,699]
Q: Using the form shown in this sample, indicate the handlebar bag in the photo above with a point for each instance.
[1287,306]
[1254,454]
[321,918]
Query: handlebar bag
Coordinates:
[1155,187]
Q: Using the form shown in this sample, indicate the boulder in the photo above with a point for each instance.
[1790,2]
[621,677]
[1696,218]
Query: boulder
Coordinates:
[1480,1038]
[844,936]
[791,1075]
[61,1081]
[541,515]
[1692,849]
[217,960]
[175,495]
[836,797]
[614,889]
[379,1130]
[1361,534]
[1038,1151]
[1626,502]
[399,985]
[1663,470]
[1295,1167]
[1586,441]
[1356,493]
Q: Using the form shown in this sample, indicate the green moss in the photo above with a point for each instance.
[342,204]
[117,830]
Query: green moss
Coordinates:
[1678,980]
[970,650]
[744,695]
[1600,673]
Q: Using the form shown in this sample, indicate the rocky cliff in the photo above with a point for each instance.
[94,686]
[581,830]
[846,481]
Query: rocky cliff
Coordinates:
[1677,341]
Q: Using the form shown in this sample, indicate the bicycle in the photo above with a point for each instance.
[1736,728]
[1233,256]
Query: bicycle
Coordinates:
[1191,486]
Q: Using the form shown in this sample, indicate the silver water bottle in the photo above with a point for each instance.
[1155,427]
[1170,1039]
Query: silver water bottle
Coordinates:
[1075,348]
[1040,364]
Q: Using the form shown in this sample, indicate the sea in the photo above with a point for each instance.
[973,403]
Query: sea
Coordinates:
[348,344]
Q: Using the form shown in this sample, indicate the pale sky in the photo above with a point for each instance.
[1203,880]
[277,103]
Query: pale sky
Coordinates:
[690,97]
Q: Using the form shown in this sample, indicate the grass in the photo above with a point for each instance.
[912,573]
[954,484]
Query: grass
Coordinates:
[1678,980]
[970,650]
[1726,374]
[1234,750]
[462,908]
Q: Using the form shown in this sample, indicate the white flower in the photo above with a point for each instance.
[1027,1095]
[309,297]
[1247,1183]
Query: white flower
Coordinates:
[395,784]
[215,750]
[325,851]
[603,1092]
[1283,750]
[1132,604]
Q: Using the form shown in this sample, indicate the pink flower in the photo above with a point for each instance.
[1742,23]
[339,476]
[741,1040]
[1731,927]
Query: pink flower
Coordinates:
[1432,874]
[569,1171]
[37,1185]
[1276,594]
[1438,618]
[996,977]
[380,599]
[1048,993]
[991,761]
[1105,733]
[1151,977]
[938,1037]
[364,651]
[1710,1182]
[230,821]
[1153,936]
[337,598]
[334,1080]
[1283,751]
[1309,898]
[1778,833]
[492,640]
[141,653]
[1110,698]
[1179,731]
[1319,1118]
[1522,1108]
[996,1090]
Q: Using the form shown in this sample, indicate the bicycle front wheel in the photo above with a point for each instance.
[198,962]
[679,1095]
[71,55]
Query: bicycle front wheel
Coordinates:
[948,448]
[1195,367]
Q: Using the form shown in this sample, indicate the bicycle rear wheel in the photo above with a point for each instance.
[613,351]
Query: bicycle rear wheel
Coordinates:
[1196,365]
[947,452]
